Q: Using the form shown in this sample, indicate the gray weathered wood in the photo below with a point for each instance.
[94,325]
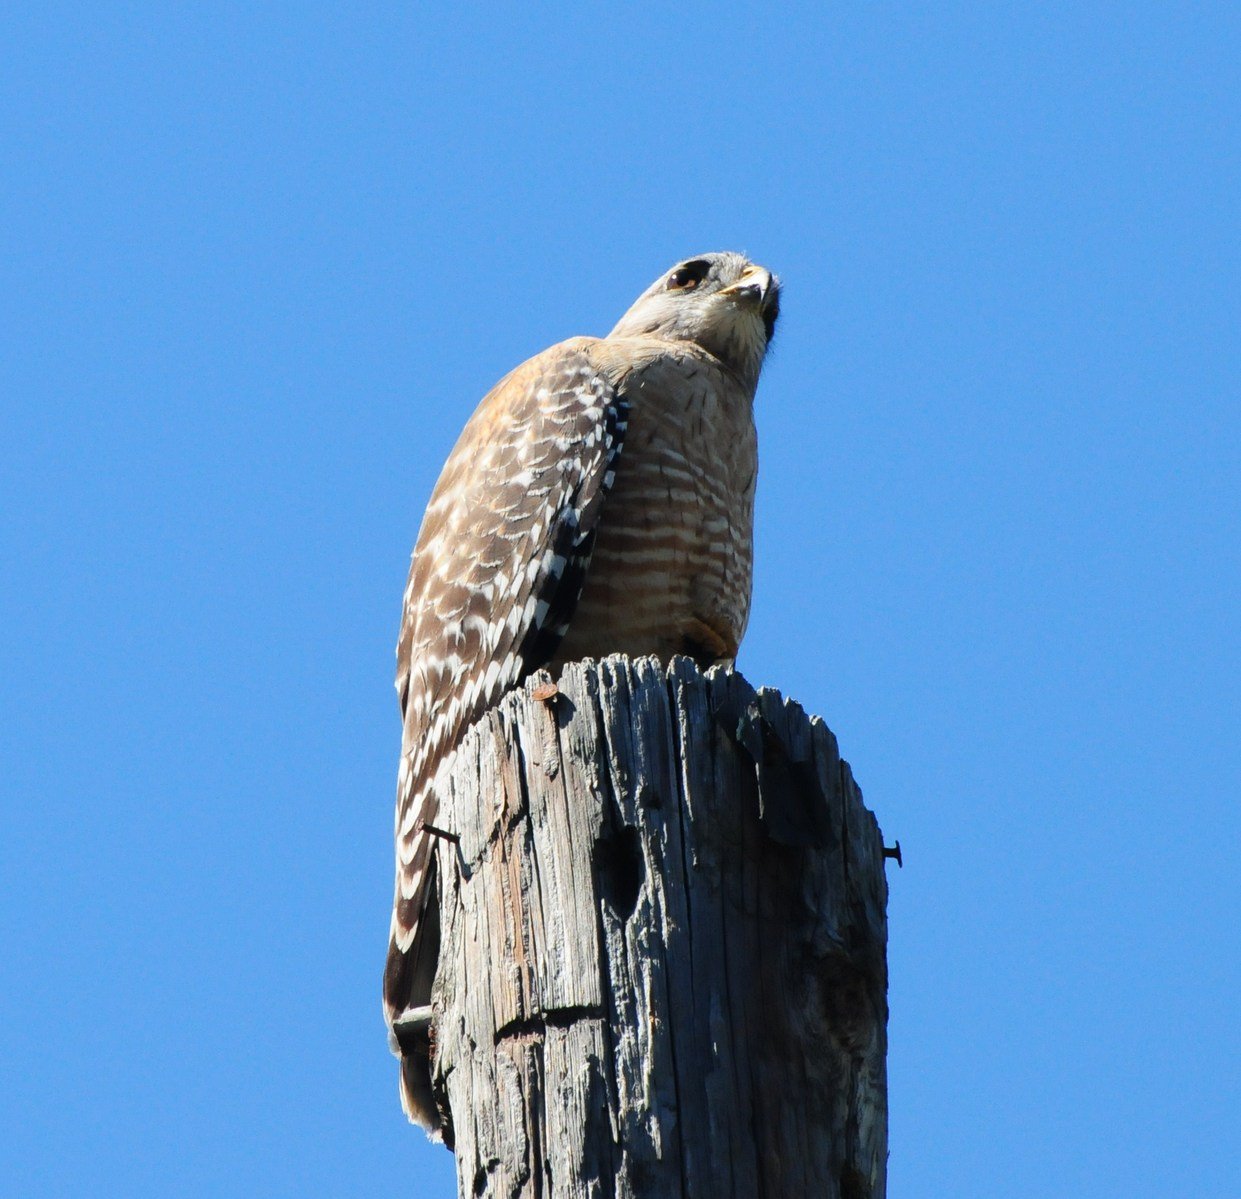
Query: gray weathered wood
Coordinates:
[664,946]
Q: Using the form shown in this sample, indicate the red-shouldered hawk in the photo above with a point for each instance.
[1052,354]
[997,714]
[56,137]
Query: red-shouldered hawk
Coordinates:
[600,500]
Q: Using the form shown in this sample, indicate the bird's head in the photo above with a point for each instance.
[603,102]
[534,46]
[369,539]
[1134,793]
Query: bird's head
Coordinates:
[723,302]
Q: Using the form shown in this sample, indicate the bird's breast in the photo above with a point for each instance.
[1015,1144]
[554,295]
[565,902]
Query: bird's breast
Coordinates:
[672,563]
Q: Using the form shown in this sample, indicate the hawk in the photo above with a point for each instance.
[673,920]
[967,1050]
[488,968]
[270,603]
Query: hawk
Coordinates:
[600,500]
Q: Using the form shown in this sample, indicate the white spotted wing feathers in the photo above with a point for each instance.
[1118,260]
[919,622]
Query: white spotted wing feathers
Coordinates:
[496,573]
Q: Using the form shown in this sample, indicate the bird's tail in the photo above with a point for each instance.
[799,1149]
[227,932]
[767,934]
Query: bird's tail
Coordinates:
[413,954]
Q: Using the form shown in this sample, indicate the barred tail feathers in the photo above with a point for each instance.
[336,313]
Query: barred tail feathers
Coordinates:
[413,954]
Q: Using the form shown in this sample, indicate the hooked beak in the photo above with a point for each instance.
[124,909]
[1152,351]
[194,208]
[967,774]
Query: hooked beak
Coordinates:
[752,289]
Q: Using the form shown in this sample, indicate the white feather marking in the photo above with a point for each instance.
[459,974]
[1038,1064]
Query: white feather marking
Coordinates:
[489,680]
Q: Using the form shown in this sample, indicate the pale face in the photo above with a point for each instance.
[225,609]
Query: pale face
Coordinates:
[723,302]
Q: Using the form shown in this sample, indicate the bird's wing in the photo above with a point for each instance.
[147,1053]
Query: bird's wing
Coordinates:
[496,573]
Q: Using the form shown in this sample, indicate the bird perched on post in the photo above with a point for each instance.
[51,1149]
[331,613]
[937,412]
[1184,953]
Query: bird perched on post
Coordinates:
[600,500]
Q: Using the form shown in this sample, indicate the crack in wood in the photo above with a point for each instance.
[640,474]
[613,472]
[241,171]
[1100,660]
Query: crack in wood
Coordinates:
[534,1026]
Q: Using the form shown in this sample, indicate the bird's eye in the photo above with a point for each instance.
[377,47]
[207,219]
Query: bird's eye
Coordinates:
[689,275]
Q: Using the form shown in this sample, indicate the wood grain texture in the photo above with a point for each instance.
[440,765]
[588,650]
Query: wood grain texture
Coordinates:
[664,946]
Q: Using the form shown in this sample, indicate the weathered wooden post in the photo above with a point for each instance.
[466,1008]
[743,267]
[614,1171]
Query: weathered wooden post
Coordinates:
[664,946]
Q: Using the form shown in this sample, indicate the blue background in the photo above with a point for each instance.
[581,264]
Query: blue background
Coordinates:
[259,263]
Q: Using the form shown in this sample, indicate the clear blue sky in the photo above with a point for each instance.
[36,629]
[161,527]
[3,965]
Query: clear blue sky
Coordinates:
[258,264]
